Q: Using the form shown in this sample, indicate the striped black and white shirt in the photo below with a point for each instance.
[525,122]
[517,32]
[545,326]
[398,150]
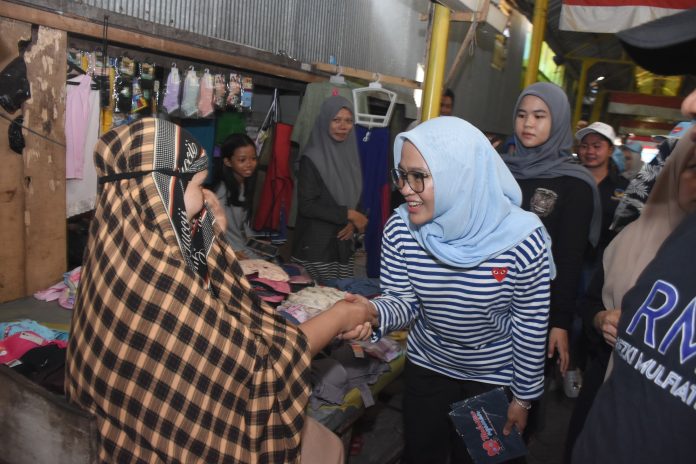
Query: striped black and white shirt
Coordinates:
[486,324]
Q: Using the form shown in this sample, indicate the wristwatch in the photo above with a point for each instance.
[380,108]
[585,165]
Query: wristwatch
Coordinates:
[524,403]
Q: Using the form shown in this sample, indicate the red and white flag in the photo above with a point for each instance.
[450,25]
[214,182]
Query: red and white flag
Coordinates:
[610,16]
[637,104]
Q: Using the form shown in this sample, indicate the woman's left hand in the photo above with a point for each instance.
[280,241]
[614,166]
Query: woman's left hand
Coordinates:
[358,219]
[558,341]
[361,332]
[347,232]
[517,416]
[213,204]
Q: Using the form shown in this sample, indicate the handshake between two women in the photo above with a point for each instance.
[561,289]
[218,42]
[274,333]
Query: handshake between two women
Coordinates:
[349,319]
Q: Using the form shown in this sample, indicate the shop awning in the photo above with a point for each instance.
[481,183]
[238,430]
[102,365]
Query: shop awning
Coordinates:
[610,16]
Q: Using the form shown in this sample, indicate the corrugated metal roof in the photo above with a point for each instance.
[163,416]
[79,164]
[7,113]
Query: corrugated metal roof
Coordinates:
[381,35]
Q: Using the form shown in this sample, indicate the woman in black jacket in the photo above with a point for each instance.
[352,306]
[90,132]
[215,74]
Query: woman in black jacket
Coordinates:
[329,186]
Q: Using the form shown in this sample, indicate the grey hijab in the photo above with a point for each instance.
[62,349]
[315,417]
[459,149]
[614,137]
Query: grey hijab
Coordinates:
[553,157]
[338,163]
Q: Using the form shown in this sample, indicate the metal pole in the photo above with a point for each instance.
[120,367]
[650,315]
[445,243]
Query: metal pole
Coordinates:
[538,28]
[598,106]
[437,57]
[582,84]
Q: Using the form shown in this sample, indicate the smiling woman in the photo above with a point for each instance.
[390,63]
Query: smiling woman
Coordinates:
[467,270]
[414,181]
[329,189]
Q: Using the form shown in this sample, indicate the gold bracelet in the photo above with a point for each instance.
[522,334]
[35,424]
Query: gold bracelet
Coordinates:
[525,404]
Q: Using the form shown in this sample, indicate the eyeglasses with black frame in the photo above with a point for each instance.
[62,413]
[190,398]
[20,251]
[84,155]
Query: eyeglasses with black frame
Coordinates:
[415,179]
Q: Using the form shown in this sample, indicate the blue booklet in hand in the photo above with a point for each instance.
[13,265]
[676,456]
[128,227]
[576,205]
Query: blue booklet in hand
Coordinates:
[480,421]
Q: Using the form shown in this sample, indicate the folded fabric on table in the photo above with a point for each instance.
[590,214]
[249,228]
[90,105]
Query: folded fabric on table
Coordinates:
[365,286]
[335,375]
[264,269]
[27,325]
[16,345]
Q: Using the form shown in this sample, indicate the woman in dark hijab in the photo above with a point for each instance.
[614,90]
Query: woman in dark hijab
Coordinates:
[329,186]
[560,191]
[169,349]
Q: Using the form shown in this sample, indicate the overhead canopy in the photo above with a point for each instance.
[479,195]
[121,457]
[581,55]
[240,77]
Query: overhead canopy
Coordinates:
[611,16]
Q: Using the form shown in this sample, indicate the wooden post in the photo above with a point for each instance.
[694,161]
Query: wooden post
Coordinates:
[44,161]
[32,185]
[12,284]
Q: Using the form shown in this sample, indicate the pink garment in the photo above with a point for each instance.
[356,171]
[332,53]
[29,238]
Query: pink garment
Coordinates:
[277,285]
[14,346]
[205,96]
[51,293]
[81,194]
[64,291]
[76,123]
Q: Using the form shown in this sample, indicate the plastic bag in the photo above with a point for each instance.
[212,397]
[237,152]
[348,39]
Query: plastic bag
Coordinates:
[14,85]
[234,92]
[14,134]
[189,100]
[220,91]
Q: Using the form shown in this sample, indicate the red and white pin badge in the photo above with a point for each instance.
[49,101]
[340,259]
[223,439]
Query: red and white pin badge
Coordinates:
[499,273]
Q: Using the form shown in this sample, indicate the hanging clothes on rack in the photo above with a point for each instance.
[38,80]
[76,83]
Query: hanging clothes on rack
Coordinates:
[374,159]
[228,123]
[276,196]
[264,148]
[81,134]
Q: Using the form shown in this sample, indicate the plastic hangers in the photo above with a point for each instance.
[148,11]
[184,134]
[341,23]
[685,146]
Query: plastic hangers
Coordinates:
[362,110]
[338,78]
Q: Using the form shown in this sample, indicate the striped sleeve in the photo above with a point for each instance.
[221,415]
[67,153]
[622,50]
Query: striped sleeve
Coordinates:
[398,305]
[530,314]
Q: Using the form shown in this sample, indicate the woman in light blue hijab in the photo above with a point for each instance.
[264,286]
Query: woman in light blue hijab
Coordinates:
[467,271]
[477,206]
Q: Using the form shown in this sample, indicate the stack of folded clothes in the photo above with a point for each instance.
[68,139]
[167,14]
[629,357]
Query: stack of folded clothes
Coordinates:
[309,302]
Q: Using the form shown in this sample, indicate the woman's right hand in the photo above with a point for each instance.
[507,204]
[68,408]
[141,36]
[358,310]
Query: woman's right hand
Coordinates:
[354,312]
[347,232]
[363,330]
[214,206]
[607,322]
[358,219]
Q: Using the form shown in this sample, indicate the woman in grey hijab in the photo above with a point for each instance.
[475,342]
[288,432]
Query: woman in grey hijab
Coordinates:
[329,186]
[561,192]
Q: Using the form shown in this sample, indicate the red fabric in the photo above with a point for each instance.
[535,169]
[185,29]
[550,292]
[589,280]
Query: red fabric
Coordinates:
[642,99]
[675,4]
[276,195]
[386,203]
[16,345]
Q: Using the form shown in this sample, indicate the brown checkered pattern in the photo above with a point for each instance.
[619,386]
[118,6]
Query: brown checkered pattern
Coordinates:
[172,372]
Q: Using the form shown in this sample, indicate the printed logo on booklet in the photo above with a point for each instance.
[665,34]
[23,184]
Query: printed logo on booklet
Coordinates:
[480,421]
